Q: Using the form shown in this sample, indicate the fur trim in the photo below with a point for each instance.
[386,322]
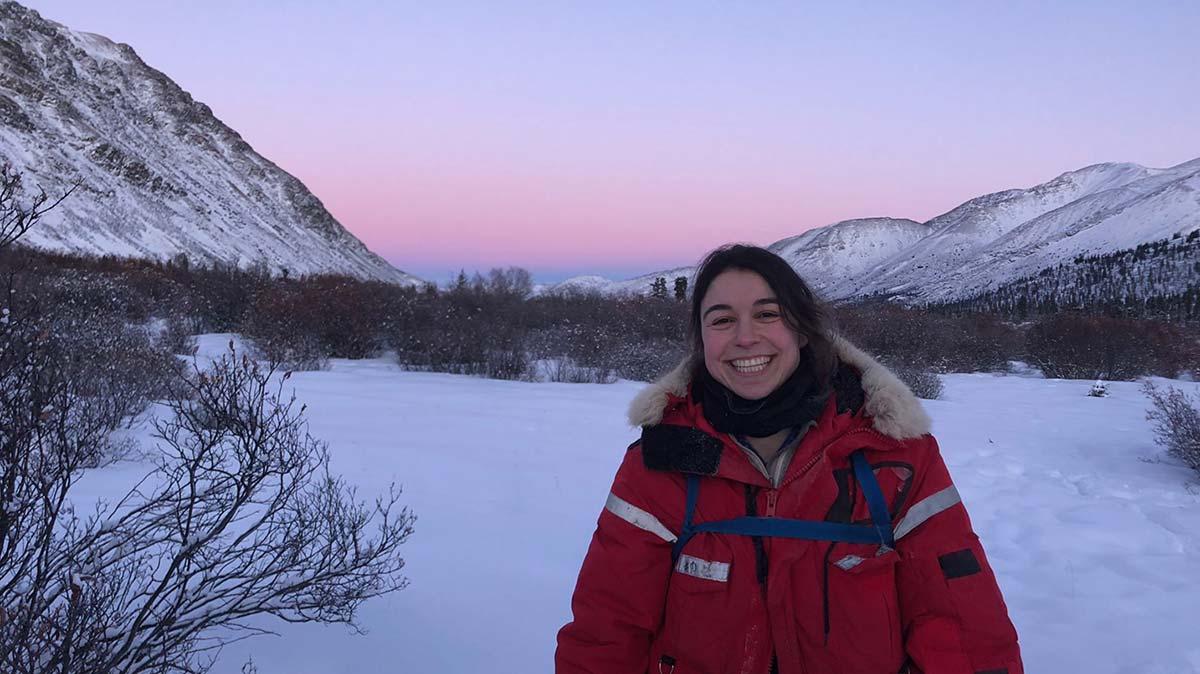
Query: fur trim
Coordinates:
[893,408]
[647,407]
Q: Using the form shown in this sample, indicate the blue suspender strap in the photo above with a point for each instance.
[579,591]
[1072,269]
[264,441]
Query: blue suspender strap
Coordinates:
[779,527]
[875,500]
[685,534]
[879,531]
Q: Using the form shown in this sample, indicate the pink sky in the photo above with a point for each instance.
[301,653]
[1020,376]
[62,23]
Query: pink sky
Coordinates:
[621,138]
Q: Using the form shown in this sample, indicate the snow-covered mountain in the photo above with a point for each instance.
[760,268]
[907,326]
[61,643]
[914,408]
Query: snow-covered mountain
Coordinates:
[989,241]
[1001,237]
[158,173]
[834,255]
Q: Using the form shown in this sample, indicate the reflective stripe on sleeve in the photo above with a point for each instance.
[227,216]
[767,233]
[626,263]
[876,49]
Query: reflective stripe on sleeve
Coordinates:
[638,517]
[928,507]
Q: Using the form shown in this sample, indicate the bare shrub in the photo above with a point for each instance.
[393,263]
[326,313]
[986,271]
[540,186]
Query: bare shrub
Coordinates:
[1075,346]
[645,359]
[508,362]
[17,218]
[178,334]
[565,370]
[1176,418]
[241,517]
[305,322]
[297,352]
[923,339]
[923,383]
[476,328]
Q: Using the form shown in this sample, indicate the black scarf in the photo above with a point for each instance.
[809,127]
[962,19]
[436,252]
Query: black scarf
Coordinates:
[798,400]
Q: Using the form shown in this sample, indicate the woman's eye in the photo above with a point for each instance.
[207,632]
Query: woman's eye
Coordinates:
[724,320]
[768,315]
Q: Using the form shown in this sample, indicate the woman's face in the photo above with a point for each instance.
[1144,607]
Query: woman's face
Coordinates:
[748,346]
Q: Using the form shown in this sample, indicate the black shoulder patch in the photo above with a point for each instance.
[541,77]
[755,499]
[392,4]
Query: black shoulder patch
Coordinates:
[847,386]
[959,564]
[680,448]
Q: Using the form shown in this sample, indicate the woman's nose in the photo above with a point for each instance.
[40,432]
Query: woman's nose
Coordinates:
[746,332]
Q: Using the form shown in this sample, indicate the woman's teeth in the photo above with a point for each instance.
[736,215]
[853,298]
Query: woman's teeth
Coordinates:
[750,365]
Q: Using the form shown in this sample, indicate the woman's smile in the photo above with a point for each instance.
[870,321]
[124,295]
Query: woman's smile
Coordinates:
[751,366]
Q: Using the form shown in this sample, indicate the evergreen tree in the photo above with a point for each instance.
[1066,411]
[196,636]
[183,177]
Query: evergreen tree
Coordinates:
[681,288]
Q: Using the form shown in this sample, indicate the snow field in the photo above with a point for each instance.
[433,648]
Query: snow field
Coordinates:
[1093,534]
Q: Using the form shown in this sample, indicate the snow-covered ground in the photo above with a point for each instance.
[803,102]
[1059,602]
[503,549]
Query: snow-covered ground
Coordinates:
[1093,533]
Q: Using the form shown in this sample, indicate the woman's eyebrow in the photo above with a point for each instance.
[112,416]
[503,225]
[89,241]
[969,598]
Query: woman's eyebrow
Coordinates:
[717,307]
[726,307]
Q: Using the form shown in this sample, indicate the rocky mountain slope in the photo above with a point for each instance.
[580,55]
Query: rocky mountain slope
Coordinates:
[158,174]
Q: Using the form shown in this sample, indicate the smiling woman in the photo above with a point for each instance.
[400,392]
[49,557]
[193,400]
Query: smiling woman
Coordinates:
[785,510]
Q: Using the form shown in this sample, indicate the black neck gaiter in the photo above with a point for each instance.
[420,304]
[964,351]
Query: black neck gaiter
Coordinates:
[798,400]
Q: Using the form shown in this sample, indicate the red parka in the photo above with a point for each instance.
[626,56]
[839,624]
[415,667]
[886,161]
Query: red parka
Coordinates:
[930,606]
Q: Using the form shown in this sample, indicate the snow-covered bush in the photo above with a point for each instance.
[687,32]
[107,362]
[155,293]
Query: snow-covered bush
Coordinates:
[1176,418]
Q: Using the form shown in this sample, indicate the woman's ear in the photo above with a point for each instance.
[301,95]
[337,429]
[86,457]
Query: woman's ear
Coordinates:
[801,340]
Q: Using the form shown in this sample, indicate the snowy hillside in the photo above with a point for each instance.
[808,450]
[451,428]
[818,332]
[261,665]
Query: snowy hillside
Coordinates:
[1116,206]
[158,174]
[828,256]
[1093,534]
[1158,280]
[957,236]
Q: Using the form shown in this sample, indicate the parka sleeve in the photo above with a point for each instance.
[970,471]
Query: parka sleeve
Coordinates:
[953,615]
[619,598]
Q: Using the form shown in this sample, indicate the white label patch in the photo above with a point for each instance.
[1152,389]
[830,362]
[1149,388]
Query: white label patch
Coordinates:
[849,562]
[702,568]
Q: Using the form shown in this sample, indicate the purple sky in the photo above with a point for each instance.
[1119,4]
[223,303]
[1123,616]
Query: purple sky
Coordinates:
[619,138]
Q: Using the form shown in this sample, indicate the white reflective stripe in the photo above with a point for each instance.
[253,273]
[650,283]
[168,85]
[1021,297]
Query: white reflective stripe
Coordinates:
[849,562]
[702,568]
[638,517]
[916,515]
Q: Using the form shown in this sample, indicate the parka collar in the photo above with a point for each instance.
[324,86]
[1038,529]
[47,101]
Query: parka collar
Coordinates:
[867,396]
[892,407]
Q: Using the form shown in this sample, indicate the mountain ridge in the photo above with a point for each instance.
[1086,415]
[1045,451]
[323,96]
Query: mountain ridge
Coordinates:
[989,241]
[159,174]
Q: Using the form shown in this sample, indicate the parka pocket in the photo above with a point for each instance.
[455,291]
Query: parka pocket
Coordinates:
[862,608]
[698,608]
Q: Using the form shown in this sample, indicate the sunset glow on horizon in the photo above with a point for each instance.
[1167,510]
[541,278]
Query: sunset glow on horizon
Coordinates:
[621,138]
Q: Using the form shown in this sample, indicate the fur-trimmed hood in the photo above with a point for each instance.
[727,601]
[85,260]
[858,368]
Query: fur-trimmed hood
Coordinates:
[894,410]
